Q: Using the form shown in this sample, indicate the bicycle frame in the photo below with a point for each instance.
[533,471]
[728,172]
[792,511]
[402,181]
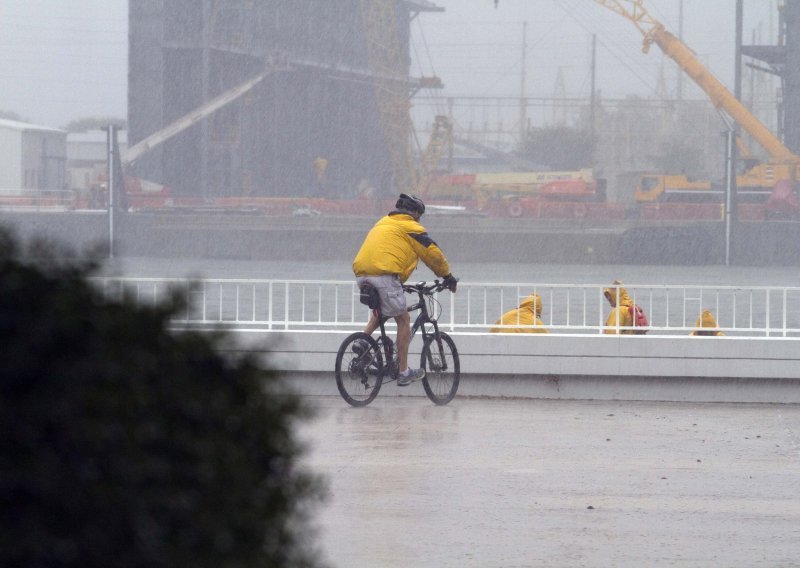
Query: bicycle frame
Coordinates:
[424,317]
[355,364]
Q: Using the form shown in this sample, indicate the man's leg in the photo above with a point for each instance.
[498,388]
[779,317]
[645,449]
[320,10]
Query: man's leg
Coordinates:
[373,323]
[403,339]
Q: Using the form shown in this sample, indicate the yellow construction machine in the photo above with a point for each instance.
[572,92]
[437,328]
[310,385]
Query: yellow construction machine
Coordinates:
[756,180]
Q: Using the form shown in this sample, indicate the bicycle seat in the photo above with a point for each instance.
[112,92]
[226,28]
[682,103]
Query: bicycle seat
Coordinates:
[369,296]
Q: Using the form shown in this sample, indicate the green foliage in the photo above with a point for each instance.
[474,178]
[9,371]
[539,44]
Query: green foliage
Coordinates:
[9,115]
[128,445]
[94,123]
[678,155]
[559,147]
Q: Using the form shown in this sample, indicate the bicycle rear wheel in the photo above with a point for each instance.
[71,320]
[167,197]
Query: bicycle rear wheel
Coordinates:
[442,369]
[359,372]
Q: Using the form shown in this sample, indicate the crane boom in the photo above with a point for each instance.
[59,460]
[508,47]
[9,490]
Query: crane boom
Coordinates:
[654,32]
[196,115]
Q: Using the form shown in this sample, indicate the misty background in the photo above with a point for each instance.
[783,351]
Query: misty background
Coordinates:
[510,70]
[61,61]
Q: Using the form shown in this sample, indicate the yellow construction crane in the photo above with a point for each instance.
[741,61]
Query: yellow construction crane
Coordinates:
[392,92]
[760,178]
[390,77]
[654,32]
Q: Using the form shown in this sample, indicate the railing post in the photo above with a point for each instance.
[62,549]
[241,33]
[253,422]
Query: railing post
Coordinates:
[453,310]
[785,307]
[205,298]
[236,319]
[219,299]
[352,302]
[270,301]
[286,308]
[302,303]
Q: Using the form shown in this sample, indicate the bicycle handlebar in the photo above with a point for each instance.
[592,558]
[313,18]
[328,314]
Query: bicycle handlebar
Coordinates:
[424,288]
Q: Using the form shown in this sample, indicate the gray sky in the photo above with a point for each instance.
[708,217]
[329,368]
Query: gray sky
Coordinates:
[476,48]
[66,59]
[63,59]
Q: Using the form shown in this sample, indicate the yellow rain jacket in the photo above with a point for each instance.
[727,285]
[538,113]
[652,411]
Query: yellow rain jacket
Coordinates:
[522,316]
[394,246]
[621,313]
[706,324]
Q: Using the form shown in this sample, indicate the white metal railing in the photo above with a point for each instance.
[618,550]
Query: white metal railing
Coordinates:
[567,308]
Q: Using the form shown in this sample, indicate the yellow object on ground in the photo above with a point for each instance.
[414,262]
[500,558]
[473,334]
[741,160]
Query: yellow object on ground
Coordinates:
[620,315]
[525,317]
[706,324]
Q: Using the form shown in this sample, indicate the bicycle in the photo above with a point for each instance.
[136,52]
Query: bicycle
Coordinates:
[361,373]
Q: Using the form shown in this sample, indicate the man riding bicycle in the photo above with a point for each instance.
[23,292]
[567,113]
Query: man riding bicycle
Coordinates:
[387,258]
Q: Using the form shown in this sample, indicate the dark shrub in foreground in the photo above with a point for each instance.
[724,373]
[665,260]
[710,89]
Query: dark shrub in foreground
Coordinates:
[124,444]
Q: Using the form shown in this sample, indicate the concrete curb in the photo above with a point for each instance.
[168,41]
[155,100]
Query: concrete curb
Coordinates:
[587,367]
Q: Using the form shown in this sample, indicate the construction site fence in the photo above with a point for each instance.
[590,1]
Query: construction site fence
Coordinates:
[298,305]
[37,199]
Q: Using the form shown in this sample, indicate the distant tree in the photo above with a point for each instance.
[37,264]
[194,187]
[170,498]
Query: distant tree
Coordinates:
[559,147]
[125,444]
[94,123]
[677,155]
[7,114]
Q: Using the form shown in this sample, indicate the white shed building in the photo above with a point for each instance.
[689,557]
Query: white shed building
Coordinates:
[87,157]
[32,157]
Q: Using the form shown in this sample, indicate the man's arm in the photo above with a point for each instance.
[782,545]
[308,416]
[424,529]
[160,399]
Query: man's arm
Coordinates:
[430,253]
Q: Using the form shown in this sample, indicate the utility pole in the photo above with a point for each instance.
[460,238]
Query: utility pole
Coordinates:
[680,37]
[730,187]
[523,102]
[592,95]
[111,145]
[731,212]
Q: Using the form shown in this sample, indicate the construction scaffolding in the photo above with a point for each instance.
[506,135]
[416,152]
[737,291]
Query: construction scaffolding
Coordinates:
[273,140]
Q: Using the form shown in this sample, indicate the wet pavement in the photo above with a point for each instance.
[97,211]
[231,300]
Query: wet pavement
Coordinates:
[498,482]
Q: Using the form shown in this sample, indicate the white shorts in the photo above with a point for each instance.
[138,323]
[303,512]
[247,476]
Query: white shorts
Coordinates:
[390,290]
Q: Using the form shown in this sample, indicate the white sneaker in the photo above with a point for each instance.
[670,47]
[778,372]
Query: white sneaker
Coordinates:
[409,376]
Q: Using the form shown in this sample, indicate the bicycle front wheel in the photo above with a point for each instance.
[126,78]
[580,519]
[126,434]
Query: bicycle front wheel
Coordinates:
[442,368]
[359,369]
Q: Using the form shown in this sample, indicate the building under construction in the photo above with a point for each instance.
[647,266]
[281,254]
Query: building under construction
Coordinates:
[313,126]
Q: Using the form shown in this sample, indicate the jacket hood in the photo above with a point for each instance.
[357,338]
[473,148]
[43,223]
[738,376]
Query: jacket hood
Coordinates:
[528,304]
[611,295]
[706,320]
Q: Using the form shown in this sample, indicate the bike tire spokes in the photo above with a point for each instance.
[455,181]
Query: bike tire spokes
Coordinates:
[359,369]
[442,369]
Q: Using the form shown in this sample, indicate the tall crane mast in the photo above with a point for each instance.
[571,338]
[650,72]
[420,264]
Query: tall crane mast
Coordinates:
[654,32]
[390,77]
[393,89]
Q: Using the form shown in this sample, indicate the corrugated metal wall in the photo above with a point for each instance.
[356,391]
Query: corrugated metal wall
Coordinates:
[184,52]
[791,93]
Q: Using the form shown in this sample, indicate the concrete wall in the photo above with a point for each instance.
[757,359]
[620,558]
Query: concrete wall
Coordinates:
[32,157]
[10,158]
[729,369]
[464,240]
[44,159]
